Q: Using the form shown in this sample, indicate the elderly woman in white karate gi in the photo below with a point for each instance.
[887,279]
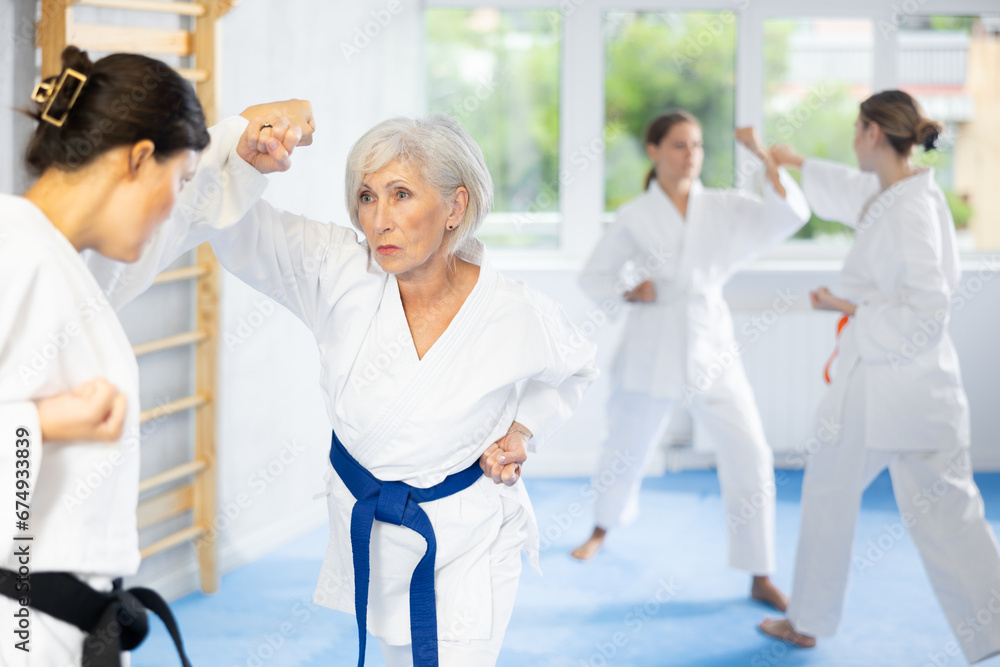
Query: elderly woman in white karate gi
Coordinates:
[69,393]
[433,364]
[685,241]
[896,390]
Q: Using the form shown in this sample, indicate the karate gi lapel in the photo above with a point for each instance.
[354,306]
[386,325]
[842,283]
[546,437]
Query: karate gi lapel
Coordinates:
[689,258]
[465,327]
[664,229]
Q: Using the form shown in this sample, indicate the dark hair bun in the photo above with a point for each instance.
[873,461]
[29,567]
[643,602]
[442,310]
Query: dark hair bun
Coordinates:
[74,58]
[927,133]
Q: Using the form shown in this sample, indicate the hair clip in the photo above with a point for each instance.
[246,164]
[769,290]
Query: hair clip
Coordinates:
[46,93]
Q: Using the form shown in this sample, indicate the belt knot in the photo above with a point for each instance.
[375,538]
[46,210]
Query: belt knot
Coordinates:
[392,502]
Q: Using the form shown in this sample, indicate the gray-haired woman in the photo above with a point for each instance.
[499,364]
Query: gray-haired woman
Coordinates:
[431,362]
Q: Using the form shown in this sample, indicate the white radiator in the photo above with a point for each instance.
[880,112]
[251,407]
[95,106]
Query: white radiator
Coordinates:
[784,357]
[785,367]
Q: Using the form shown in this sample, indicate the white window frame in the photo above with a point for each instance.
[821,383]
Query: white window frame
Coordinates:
[582,100]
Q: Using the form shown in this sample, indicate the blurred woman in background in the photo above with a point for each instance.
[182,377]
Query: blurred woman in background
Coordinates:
[896,389]
[685,241]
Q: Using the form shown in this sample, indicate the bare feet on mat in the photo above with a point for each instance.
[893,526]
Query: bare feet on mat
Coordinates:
[781,628]
[589,549]
[764,591]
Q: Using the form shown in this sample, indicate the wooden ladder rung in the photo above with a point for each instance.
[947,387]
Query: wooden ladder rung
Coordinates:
[179,537]
[165,506]
[112,38]
[180,8]
[170,342]
[194,75]
[167,476]
[173,407]
[183,273]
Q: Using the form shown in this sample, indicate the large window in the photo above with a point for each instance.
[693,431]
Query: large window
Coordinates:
[654,63]
[540,87]
[951,64]
[497,73]
[816,72]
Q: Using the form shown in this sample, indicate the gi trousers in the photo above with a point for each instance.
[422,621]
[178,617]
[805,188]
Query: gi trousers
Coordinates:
[939,504]
[505,573]
[727,413]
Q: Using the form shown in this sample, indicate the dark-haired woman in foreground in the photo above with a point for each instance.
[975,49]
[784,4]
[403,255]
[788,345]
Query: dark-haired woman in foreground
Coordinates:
[896,391]
[69,394]
[686,241]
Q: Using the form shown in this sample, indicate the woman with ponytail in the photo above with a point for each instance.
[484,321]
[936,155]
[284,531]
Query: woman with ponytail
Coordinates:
[896,388]
[685,242]
[116,141]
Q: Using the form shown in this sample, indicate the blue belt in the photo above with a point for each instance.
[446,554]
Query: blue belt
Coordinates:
[396,502]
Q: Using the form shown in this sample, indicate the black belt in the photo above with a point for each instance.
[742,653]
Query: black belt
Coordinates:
[114,622]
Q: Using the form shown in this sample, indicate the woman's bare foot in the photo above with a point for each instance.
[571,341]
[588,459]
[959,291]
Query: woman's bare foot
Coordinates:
[781,628]
[764,591]
[589,549]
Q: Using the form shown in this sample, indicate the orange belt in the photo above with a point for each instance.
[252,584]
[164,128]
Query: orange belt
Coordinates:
[840,327]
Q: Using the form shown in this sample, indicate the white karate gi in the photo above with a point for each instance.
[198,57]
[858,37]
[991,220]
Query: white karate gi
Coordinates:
[58,328]
[896,400]
[681,348]
[510,353]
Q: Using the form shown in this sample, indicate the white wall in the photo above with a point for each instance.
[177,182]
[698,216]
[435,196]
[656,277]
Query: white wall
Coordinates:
[273,432]
[17,79]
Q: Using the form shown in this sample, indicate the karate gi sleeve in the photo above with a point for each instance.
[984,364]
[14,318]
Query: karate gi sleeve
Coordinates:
[303,264]
[908,271]
[550,397]
[223,189]
[29,316]
[837,192]
[760,223]
[601,275]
